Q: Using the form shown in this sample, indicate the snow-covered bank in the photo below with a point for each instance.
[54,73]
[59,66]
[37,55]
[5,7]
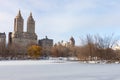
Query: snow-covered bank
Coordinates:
[101,62]
[34,62]
[51,61]
[51,70]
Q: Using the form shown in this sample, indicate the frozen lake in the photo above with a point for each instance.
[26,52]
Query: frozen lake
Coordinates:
[50,70]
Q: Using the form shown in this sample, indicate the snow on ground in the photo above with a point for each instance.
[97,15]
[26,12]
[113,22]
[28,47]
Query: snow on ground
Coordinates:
[57,70]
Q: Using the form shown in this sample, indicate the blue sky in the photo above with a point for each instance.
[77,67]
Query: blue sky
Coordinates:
[61,19]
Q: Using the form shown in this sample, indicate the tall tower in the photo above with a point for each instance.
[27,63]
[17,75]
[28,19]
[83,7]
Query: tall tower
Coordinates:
[30,24]
[18,23]
[72,41]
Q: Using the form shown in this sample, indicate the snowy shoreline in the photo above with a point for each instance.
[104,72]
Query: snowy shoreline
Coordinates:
[47,62]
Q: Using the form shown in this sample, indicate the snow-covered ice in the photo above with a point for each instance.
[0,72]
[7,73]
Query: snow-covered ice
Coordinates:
[57,70]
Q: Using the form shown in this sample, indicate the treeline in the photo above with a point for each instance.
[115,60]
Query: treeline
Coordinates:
[92,48]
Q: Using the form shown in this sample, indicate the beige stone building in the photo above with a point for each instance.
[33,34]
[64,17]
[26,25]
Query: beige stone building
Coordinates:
[18,36]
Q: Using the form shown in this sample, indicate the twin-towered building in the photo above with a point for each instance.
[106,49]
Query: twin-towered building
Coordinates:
[18,36]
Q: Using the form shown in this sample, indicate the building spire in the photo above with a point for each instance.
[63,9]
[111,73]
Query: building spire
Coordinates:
[19,14]
[30,13]
[30,18]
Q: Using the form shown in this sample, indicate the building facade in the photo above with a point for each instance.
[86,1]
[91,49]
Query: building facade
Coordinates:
[3,39]
[18,36]
[2,44]
[45,42]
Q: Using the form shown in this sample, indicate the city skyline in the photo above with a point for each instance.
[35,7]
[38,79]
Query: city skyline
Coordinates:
[61,19]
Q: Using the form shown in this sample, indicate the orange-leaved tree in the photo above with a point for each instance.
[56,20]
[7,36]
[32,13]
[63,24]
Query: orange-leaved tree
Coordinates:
[34,51]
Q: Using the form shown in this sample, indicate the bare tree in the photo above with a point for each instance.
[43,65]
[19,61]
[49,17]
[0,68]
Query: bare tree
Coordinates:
[98,47]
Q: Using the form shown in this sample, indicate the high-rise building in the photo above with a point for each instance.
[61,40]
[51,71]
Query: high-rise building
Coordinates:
[18,36]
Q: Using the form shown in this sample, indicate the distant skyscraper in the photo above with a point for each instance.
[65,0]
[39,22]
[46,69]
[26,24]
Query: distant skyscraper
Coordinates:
[18,36]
